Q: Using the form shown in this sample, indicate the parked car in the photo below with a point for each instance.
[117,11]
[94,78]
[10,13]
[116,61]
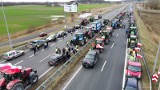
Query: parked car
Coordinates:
[61,34]
[134,69]
[90,59]
[131,84]
[52,37]
[38,43]
[55,59]
[13,54]
[42,34]
[70,29]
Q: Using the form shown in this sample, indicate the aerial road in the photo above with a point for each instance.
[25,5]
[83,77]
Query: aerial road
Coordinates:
[100,77]
[107,74]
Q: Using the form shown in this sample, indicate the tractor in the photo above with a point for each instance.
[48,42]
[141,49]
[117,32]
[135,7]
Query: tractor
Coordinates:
[84,22]
[79,38]
[14,78]
[88,32]
[105,21]
[99,44]
[105,35]
[91,19]
[133,31]
[132,41]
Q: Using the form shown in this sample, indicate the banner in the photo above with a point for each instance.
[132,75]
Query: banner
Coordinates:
[70,8]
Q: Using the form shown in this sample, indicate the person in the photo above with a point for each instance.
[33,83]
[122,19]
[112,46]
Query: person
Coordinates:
[63,51]
[76,48]
[35,49]
[56,50]
[67,44]
[71,32]
[45,45]
[59,51]
[71,42]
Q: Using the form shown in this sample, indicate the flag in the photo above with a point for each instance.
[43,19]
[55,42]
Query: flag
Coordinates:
[139,56]
[98,46]
[139,45]
[137,49]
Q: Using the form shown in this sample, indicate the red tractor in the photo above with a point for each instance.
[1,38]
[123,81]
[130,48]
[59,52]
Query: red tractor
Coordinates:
[84,22]
[88,32]
[14,78]
[99,44]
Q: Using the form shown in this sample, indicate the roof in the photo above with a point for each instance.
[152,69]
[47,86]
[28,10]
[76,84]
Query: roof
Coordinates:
[133,27]
[92,52]
[10,51]
[55,56]
[132,82]
[134,63]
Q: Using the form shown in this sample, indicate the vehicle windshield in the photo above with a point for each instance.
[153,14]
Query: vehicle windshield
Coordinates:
[130,88]
[99,41]
[6,55]
[78,35]
[89,57]
[134,68]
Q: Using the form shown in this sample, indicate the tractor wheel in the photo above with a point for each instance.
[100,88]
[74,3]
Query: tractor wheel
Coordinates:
[33,78]
[18,86]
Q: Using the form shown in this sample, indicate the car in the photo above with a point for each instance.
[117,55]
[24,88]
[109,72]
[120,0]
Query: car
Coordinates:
[38,43]
[70,29]
[16,78]
[77,26]
[55,59]
[61,34]
[90,59]
[131,84]
[52,37]
[13,54]
[42,34]
[134,69]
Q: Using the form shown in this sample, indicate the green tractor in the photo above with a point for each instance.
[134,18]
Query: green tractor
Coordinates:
[91,19]
[133,31]
[132,41]
[105,35]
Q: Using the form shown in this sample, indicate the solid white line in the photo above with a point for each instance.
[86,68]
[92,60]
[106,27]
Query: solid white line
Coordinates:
[45,57]
[59,40]
[42,50]
[45,72]
[117,35]
[18,62]
[112,45]
[103,66]
[52,45]
[124,72]
[2,61]
[72,78]
[31,56]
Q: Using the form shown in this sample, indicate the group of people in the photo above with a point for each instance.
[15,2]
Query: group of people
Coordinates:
[36,47]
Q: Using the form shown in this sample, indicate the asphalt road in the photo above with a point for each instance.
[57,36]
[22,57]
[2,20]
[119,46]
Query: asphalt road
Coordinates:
[108,72]
[39,62]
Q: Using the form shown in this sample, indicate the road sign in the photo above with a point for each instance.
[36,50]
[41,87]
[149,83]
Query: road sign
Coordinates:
[70,8]
[155,78]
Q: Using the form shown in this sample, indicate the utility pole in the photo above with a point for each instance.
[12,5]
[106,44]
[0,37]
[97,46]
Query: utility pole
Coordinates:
[5,19]
[156,59]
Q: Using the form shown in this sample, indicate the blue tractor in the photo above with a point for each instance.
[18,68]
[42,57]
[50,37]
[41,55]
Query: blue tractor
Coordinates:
[79,38]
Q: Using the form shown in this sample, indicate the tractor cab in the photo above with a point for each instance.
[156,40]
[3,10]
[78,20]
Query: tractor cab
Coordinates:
[132,41]
[105,35]
[91,19]
[79,38]
[99,44]
[88,32]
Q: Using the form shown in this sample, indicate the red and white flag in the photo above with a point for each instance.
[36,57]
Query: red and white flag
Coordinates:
[98,46]
[139,45]
[155,78]
[137,49]
[139,56]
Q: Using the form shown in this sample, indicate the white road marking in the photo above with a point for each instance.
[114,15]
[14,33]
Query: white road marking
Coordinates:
[117,35]
[45,72]
[59,40]
[45,57]
[103,66]
[124,72]
[72,78]
[2,61]
[18,62]
[31,56]
[26,51]
[42,50]
[112,45]
[52,45]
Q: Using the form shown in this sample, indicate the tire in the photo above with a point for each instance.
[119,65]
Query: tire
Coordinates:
[50,63]
[33,78]
[18,86]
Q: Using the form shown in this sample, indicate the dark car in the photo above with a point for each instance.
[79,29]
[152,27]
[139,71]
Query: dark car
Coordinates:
[61,34]
[90,59]
[70,29]
[77,26]
[131,84]
[42,34]
[38,43]
[55,59]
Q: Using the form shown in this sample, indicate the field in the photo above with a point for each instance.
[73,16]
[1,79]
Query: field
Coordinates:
[23,17]
[150,37]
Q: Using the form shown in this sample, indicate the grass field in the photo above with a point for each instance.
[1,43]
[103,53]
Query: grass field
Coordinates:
[25,16]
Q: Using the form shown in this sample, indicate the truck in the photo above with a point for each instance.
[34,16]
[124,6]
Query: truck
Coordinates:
[96,26]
